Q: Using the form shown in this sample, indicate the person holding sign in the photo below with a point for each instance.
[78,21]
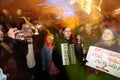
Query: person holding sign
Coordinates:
[109,40]
[107,47]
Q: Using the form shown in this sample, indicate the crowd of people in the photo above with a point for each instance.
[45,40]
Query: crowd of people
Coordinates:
[55,53]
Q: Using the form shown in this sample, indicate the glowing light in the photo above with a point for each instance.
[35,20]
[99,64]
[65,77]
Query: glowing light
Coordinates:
[90,10]
[86,11]
[116,11]
[71,22]
[63,5]
[98,6]
[86,5]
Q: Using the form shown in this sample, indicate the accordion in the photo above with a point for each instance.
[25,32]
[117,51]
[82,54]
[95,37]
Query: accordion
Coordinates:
[68,54]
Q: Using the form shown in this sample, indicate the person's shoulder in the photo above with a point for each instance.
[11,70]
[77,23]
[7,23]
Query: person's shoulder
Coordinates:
[8,39]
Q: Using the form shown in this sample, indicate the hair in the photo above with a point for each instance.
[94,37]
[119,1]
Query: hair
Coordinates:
[46,35]
[63,28]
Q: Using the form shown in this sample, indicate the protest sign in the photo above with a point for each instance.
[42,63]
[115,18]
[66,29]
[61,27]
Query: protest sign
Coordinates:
[2,76]
[104,60]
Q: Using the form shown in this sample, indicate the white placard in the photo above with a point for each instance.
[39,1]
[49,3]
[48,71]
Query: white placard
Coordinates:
[104,60]
[2,76]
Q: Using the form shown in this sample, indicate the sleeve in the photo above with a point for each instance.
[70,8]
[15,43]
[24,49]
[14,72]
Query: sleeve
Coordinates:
[43,58]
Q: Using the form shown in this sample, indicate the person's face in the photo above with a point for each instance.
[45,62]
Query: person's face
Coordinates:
[26,27]
[19,11]
[88,29]
[49,39]
[78,37]
[27,33]
[27,30]
[67,33]
[107,35]
[1,35]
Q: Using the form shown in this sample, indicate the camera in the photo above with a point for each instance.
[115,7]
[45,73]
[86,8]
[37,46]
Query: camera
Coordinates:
[22,34]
